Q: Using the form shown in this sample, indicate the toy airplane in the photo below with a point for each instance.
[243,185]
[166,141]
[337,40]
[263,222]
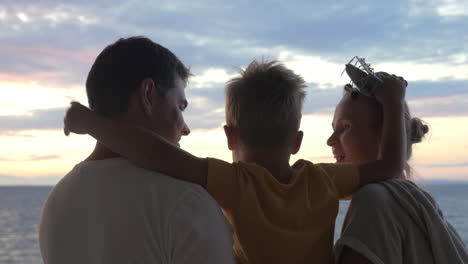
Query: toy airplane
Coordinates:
[363,76]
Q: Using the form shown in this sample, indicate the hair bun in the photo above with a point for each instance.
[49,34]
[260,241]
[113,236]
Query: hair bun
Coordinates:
[418,130]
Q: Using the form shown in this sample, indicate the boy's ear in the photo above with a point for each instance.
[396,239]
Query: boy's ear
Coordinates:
[297,142]
[146,96]
[232,137]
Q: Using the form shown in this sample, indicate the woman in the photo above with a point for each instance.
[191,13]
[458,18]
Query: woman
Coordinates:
[393,221]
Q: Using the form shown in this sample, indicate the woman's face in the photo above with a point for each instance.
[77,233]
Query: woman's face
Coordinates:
[356,130]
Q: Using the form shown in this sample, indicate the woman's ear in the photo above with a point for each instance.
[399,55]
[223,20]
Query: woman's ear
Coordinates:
[146,94]
[297,142]
[232,136]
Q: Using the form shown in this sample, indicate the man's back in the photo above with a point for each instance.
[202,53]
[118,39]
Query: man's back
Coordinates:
[110,211]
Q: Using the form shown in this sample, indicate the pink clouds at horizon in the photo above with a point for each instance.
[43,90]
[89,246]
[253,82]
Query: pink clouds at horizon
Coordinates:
[85,55]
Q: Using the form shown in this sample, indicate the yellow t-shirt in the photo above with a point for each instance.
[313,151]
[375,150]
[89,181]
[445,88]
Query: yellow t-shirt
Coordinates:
[282,223]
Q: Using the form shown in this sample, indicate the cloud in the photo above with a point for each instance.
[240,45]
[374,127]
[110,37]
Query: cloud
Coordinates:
[453,68]
[442,88]
[448,106]
[453,8]
[318,28]
[54,43]
[6,180]
[211,77]
[445,8]
[425,98]
[16,14]
[315,69]
[445,165]
[206,108]
[326,72]
[18,134]
[45,64]
[31,158]
[43,119]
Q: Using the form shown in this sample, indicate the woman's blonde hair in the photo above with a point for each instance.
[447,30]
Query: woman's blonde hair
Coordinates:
[416,128]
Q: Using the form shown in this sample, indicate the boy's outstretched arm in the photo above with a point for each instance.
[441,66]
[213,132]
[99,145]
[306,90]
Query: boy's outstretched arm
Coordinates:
[392,156]
[141,146]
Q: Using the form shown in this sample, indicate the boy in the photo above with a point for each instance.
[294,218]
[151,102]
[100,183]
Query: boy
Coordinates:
[280,213]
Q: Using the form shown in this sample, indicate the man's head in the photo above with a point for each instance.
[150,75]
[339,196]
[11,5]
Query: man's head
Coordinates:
[263,108]
[140,81]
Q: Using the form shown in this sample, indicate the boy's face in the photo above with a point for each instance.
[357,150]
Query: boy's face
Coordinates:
[354,140]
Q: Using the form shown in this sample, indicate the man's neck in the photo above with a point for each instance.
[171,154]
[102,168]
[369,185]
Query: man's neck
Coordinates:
[101,152]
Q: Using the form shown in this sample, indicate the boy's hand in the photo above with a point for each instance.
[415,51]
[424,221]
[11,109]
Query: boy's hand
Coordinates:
[75,119]
[392,90]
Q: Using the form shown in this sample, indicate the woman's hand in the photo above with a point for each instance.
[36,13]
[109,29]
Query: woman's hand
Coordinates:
[76,118]
[392,90]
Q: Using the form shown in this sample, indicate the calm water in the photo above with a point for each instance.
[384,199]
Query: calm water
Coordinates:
[20,208]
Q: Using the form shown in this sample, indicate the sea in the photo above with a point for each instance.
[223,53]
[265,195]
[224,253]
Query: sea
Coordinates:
[20,209]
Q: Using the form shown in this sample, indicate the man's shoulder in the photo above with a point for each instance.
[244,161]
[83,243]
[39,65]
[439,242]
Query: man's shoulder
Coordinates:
[118,172]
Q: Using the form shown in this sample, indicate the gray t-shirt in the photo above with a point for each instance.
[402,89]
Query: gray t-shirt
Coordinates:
[395,222]
[110,211]
[379,229]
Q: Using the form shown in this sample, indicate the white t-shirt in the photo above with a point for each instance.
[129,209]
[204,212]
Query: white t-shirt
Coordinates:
[396,222]
[110,211]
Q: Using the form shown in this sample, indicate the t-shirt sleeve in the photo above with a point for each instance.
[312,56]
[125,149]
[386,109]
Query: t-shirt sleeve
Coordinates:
[198,232]
[223,182]
[345,177]
[371,227]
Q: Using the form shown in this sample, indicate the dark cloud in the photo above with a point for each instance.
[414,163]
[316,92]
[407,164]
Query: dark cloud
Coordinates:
[43,119]
[213,33]
[440,88]
[225,35]
[324,100]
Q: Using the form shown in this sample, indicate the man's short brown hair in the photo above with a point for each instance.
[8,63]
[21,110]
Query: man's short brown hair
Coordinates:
[121,67]
[265,104]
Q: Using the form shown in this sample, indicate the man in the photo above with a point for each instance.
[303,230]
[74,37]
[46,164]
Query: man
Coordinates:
[107,210]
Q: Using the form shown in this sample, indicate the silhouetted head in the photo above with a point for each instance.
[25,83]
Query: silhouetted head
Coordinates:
[143,82]
[263,108]
[357,129]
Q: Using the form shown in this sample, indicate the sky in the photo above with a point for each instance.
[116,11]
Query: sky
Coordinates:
[47,48]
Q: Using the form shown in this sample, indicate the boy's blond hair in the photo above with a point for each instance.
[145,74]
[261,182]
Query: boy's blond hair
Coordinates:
[265,104]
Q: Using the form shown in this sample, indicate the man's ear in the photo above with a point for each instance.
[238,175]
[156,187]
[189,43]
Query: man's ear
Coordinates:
[297,142]
[146,96]
[232,136]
